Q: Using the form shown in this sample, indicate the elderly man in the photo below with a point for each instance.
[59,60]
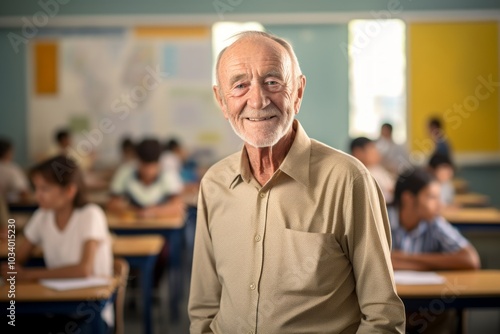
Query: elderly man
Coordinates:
[292,235]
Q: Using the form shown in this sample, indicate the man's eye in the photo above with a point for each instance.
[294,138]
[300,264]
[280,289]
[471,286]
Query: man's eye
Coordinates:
[271,83]
[240,86]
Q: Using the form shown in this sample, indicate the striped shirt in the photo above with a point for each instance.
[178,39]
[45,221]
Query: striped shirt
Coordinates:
[436,236]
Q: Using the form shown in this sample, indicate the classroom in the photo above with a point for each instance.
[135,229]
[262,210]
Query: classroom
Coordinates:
[156,175]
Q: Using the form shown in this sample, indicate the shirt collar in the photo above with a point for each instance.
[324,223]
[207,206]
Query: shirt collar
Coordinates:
[295,164]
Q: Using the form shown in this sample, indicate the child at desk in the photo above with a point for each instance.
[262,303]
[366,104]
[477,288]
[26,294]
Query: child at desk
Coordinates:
[73,235]
[147,191]
[423,240]
[441,166]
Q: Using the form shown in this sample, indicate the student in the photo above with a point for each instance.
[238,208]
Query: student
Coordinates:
[423,240]
[127,151]
[364,150]
[147,191]
[4,219]
[73,234]
[14,185]
[64,146]
[442,168]
[436,132]
[395,157]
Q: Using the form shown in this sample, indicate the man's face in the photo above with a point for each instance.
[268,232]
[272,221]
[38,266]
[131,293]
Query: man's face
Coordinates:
[257,91]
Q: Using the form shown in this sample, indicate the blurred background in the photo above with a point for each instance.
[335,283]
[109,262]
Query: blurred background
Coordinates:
[110,70]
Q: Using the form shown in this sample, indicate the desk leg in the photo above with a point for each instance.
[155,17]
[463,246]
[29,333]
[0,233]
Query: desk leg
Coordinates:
[145,264]
[460,318]
[147,292]
[176,285]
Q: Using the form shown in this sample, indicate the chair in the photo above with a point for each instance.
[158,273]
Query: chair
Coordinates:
[121,270]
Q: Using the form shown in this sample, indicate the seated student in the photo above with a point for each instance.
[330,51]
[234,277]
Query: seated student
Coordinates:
[14,185]
[127,151]
[364,150]
[4,219]
[395,157]
[441,166]
[147,191]
[73,235]
[438,136]
[64,146]
[423,240]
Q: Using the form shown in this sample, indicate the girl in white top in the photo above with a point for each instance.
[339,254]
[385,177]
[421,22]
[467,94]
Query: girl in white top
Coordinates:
[73,234]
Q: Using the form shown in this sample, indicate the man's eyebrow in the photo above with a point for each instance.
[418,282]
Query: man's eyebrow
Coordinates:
[273,73]
[236,78]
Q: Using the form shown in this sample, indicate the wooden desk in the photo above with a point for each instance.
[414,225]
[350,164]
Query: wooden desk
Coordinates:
[471,200]
[172,229]
[462,289]
[140,251]
[473,218]
[34,298]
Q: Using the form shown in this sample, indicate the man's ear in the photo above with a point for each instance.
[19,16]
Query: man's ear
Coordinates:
[220,100]
[301,86]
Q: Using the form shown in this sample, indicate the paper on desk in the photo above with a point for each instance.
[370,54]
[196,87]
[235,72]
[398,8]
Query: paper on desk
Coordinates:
[409,277]
[62,284]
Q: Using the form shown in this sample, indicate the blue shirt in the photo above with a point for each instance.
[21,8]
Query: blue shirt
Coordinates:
[435,236]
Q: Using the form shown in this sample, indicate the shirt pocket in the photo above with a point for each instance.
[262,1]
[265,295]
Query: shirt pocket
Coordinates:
[311,263]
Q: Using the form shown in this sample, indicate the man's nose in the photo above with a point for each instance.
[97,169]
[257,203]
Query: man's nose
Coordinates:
[257,99]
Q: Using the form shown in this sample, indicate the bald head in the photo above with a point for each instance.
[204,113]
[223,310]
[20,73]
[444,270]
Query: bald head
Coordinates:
[255,36]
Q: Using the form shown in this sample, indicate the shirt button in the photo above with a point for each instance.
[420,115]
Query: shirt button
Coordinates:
[253,286]
[262,195]
[257,238]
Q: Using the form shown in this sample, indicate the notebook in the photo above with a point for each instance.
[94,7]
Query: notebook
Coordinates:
[61,284]
[409,277]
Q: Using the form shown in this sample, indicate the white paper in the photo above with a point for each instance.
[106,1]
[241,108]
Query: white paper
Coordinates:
[62,284]
[409,277]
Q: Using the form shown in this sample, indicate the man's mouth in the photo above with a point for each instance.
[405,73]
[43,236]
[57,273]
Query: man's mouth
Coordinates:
[259,119]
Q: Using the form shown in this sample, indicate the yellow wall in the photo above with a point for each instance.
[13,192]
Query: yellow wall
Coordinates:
[449,64]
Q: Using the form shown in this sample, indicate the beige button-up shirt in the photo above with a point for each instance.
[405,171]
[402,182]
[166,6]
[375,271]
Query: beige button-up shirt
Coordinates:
[308,252]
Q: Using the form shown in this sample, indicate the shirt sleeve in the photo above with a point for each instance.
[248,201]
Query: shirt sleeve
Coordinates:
[32,230]
[449,238]
[94,223]
[205,291]
[120,179]
[172,182]
[19,179]
[368,237]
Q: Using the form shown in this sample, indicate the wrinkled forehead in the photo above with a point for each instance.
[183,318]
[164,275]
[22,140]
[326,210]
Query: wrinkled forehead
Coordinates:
[250,51]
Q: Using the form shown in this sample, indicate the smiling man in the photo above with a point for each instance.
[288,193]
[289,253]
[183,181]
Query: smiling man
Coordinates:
[292,235]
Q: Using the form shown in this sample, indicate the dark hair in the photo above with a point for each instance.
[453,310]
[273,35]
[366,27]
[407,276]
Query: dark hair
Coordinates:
[414,181]
[172,144]
[149,150]
[439,159]
[61,134]
[5,147]
[435,122]
[127,144]
[387,125]
[62,171]
[360,142]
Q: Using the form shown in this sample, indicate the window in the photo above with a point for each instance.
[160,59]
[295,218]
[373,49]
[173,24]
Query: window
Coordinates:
[377,76]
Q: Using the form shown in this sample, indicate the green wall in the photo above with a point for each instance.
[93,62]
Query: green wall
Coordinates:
[325,108]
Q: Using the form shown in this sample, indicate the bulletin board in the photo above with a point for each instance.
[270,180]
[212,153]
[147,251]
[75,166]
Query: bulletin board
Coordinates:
[454,74]
[141,82]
